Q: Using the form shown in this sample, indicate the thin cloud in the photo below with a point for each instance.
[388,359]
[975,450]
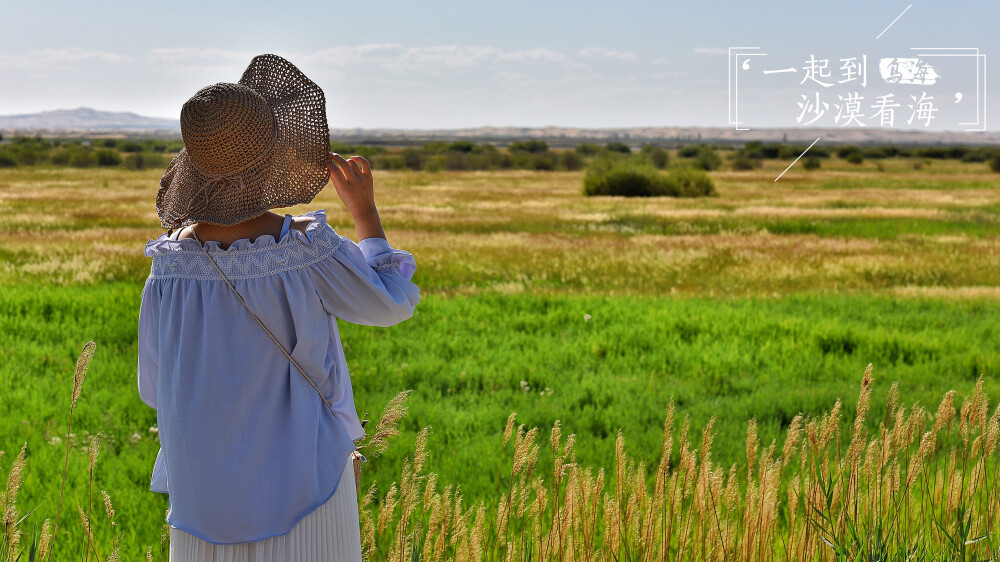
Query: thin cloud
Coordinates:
[186,55]
[669,74]
[389,57]
[601,52]
[711,51]
[56,58]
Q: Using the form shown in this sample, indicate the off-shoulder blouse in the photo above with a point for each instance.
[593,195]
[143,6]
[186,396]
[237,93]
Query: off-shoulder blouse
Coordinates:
[247,448]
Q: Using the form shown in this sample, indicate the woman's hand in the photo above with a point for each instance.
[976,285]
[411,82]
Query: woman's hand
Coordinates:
[353,180]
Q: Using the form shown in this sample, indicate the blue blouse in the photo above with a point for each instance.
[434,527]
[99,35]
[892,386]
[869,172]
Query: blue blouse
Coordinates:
[247,448]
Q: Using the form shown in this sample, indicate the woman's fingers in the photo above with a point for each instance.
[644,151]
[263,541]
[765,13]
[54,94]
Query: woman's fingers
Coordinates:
[365,166]
[336,171]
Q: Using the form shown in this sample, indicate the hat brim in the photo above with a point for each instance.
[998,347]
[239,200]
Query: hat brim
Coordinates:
[292,174]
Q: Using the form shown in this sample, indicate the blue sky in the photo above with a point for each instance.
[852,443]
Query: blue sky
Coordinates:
[438,64]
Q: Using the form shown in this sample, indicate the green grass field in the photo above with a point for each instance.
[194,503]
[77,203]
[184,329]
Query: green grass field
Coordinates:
[765,301]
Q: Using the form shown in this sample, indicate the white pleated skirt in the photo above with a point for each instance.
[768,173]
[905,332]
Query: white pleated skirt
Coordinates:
[331,532]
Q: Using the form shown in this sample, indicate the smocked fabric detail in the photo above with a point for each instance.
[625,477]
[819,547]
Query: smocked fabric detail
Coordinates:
[388,267]
[245,263]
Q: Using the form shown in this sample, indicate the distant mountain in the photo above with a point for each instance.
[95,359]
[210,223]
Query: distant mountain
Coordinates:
[85,119]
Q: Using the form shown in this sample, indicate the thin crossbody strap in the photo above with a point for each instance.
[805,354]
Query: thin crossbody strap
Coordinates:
[259,321]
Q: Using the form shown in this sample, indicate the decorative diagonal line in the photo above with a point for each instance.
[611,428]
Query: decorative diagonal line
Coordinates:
[797,159]
[893,21]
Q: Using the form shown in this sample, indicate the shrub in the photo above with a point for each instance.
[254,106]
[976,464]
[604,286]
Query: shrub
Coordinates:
[704,156]
[386,162]
[76,156]
[618,146]
[753,150]
[981,154]
[82,159]
[413,158]
[691,182]
[791,152]
[543,161]
[689,151]
[461,146]
[454,160]
[855,158]
[434,164]
[532,146]
[847,150]
[129,146]
[771,150]
[636,178]
[811,163]
[707,159]
[995,163]
[875,152]
[587,149]
[7,160]
[656,156]
[570,160]
[484,148]
[29,155]
[144,161]
[153,145]
[108,158]
[627,178]
[742,162]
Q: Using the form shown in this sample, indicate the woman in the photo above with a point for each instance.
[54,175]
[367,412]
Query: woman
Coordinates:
[239,350]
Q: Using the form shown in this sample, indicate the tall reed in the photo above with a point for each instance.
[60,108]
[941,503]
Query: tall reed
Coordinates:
[42,545]
[913,486]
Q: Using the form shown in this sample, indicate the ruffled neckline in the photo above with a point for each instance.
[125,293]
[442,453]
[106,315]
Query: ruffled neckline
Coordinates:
[164,245]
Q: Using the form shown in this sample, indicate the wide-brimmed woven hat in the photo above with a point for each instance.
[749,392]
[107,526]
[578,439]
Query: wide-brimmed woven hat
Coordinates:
[248,147]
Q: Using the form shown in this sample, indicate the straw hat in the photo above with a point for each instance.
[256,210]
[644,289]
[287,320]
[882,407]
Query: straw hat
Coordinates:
[248,147]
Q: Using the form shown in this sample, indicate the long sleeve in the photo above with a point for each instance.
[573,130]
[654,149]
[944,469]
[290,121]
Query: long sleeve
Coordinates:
[367,283]
[149,335]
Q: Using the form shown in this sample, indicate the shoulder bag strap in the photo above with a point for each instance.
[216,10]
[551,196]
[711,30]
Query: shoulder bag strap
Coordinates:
[261,322]
[356,456]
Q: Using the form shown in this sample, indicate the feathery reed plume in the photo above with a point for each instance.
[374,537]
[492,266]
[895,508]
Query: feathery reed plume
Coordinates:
[44,540]
[792,438]
[82,364]
[752,446]
[509,428]
[387,426]
[881,497]
[85,522]
[8,500]
[945,411]
[93,451]
[107,505]
[11,537]
[420,450]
